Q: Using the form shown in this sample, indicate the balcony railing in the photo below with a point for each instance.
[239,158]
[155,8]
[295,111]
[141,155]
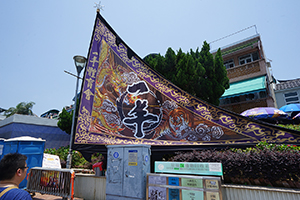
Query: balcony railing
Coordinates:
[243,70]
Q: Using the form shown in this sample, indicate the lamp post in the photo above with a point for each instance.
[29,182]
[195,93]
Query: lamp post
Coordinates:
[80,63]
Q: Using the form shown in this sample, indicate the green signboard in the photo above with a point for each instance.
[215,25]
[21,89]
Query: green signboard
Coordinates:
[199,168]
[192,195]
[190,182]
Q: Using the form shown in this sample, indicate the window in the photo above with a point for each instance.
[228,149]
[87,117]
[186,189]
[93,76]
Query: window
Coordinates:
[244,98]
[248,58]
[262,94]
[291,97]
[250,97]
[235,99]
[229,64]
[224,101]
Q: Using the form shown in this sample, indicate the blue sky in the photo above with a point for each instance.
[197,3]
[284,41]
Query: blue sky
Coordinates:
[39,38]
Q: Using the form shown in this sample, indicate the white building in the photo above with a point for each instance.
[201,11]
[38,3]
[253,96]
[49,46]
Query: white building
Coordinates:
[287,92]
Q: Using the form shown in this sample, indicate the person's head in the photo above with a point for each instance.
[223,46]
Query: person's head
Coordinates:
[12,164]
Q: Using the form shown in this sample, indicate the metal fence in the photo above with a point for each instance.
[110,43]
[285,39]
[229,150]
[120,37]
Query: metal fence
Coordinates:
[238,192]
[58,182]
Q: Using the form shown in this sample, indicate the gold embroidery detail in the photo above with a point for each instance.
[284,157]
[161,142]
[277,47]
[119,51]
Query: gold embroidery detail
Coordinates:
[84,119]
[91,72]
[94,59]
[90,82]
[88,94]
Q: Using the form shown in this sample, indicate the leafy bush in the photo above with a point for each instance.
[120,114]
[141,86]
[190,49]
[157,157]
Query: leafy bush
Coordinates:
[273,147]
[277,147]
[78,161]
[291,126]
[265,161]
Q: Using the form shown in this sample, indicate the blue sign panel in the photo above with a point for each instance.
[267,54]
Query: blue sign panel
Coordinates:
[174,194]
[173,181]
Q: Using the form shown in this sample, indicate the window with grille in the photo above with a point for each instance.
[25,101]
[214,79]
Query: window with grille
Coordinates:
[291,97]
[229,64]
[248,58]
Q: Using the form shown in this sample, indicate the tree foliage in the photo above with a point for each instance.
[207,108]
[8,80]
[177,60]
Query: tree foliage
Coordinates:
[198,73]
[65,121]
[22,108]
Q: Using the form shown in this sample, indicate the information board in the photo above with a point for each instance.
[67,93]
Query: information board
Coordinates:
[210,169]
[183,187]
[51,161]
[132,157]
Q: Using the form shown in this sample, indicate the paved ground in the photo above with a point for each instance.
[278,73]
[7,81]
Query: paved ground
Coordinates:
[39,196]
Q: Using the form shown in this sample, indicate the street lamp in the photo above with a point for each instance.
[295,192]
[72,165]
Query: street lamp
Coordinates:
[80,63]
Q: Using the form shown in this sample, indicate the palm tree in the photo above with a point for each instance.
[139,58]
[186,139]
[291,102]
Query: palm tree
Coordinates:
[22,108]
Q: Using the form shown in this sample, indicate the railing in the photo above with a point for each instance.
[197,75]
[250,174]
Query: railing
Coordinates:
[58,182]
[238,192]
[243,70]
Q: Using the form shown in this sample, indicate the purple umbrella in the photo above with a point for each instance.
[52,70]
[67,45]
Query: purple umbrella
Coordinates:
[264,113]
[296,116]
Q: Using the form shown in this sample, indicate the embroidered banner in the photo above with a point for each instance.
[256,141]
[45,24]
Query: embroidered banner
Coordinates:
[124,101]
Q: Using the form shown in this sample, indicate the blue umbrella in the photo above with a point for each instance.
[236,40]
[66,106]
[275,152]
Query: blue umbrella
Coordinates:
[291,107]
[264,113]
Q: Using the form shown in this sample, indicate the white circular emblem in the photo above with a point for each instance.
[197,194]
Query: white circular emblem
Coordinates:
[161,166]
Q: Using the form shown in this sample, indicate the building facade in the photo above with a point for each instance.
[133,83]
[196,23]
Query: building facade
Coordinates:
[251,84]
[36,127]
[287,92]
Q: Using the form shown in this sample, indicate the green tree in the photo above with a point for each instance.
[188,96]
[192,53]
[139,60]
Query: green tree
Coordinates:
[22,108]
[198,73]
[65,121]
[220,77]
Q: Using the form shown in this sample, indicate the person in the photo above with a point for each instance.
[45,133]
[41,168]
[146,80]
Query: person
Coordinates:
[13,169]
